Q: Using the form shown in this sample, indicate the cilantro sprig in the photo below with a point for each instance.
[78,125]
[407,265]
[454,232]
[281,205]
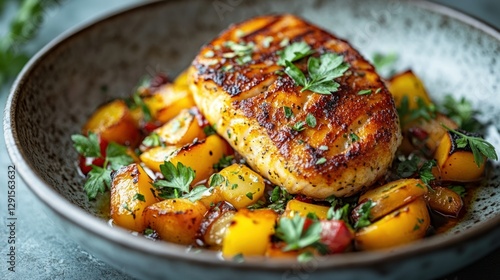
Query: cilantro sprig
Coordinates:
[416,166]
[99,178]
[321,71]
[480,148]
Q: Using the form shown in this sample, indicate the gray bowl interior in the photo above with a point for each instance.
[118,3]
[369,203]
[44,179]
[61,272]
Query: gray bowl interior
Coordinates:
[63,84]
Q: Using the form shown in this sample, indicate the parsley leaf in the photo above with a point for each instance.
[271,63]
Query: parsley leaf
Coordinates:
[321,72]
[299,126]
[197,193]
[364,214]
[480,148]
[209,130]
[341,213]
[311,120]
[98,180]
[153,140]
[116,156]
[425,171]
[291,230]
[288,112]
[461,112]
[224,162]
[321,161]
[364,92]
[137,102]
[216,179]
[279,198]
[381,61]
[294,52]
[423,111]
[460,190]
[242,52]
[87,146]
[177,179]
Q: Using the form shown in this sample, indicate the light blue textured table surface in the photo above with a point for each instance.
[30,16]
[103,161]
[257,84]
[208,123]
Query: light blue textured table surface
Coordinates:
[42,252]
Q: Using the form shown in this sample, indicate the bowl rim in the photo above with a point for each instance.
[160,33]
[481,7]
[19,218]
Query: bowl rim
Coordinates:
[164,250]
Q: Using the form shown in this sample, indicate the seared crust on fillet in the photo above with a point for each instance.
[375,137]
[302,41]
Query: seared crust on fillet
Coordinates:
[355,138]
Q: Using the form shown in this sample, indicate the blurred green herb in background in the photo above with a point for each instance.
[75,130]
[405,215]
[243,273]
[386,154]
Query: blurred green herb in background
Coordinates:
[23,27]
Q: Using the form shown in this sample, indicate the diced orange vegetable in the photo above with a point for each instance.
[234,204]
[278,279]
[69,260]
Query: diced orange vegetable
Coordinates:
[114,123]
[393,195]
[295,206]
[175,220]
[444,201]
[242,186]
[408,84]
[130,194]
[180,130]
[402,226]
[249,233]
[456,164]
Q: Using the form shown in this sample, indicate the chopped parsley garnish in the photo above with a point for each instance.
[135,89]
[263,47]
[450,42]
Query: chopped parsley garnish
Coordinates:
[311,120]
[266,42]
[177,180]
[137,102]
[209,130]
[279,198]
[480,148]
[87,146]
[364,214]
[99,178]
[341,213]
[321,161]
[460,190]
[216,179]
[321,72]
[299,126]
[413,165]
[224,162]
[384,61]
[353,137]
[242,52]
[364,92]
[139,196]
[291,230]
[249,195]
[294,52]
[423,111]
[461,112]
[323,148]
[288,112]
[197,193]
[153,140]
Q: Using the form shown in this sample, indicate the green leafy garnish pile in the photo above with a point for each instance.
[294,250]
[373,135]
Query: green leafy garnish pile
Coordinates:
[99,178]
[321,71]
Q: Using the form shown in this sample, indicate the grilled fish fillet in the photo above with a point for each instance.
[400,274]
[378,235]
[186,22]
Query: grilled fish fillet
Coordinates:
[243,93]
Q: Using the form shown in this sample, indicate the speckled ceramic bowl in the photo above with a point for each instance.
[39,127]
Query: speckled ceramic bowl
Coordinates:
[64,83]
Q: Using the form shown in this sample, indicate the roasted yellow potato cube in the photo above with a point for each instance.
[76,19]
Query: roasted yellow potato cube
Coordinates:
[402,226]
[408,84]
[114,123]
[168,102]
[242,186]
[202,155]
[180,130]
[456,164]
[211,197]
[393,195]
[175,220]
[130,194]
[249,233]
[156,156]
[295,206]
